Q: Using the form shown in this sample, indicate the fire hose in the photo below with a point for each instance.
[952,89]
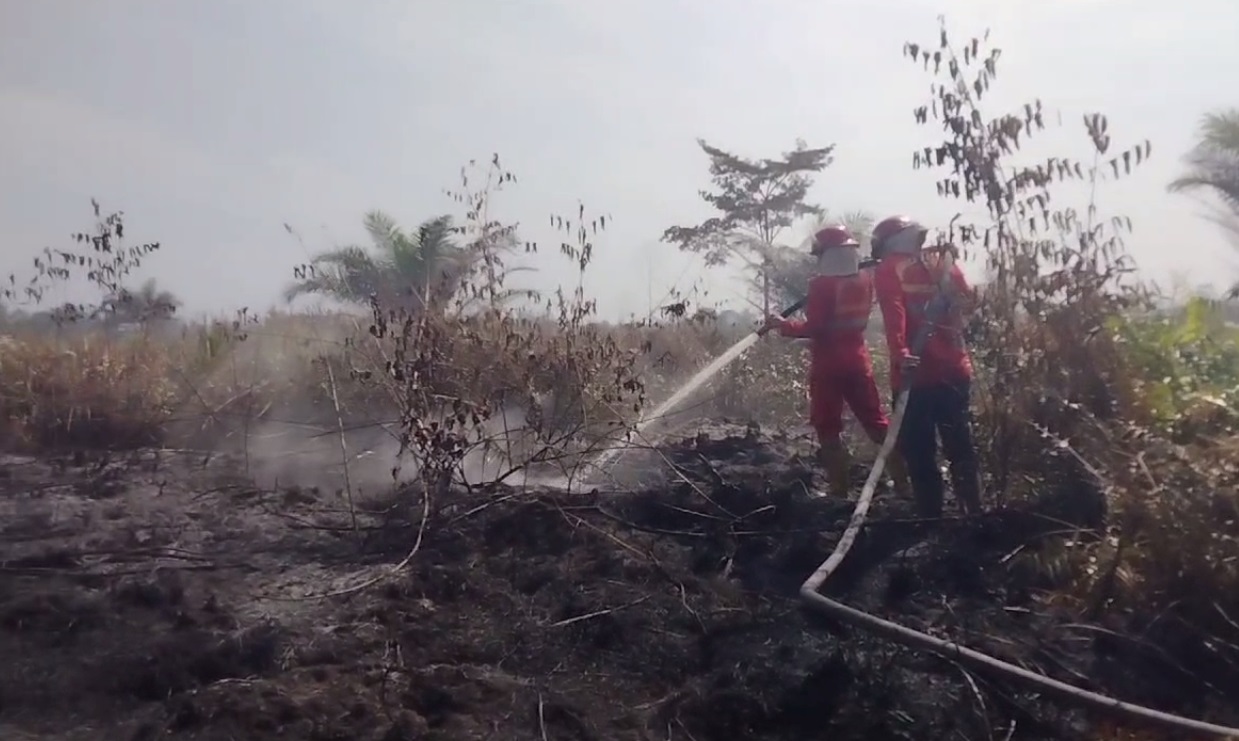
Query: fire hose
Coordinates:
[949,649]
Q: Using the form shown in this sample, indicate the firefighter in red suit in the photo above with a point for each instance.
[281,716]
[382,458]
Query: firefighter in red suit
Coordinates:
[836,313]
[907,279]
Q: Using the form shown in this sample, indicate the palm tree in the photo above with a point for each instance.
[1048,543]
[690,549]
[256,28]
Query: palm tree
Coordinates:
[408,270]
[1213,167]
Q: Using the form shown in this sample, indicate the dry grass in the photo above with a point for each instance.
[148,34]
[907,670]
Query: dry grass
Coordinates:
[87,389]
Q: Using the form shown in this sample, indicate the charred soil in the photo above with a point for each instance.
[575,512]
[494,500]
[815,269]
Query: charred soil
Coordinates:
[167,597]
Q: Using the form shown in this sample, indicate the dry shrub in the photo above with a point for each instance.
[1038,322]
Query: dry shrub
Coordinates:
[1055,274]
[1063,402]
[461,374]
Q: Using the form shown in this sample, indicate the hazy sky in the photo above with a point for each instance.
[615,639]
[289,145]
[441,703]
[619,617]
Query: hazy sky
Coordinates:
[212,123]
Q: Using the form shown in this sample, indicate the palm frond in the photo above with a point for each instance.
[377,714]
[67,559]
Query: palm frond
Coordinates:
[435,236]
[322,283]
[1213,179]
[1213,164]
[347,273]
[350,258]
[1220,130]
[383,231]
[423,268]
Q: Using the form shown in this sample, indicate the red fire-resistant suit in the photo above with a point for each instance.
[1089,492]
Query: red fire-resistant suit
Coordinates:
[906,284]
[908,279]
[840,371]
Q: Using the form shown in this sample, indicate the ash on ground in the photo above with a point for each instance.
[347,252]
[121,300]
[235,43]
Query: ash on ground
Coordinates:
[168,597]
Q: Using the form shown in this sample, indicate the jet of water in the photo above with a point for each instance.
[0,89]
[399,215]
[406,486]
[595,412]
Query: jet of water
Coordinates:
[688,389]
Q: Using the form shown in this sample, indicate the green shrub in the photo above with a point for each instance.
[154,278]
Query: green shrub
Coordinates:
[1186,364]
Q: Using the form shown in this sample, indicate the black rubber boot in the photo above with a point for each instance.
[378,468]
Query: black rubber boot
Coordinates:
[967,490]
[928,492]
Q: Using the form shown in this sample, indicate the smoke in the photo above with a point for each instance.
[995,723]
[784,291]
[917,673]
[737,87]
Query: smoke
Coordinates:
[283,454]
[280,366]
[367,460]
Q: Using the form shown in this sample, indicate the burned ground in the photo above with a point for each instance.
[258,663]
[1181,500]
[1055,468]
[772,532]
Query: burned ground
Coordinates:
[171,598]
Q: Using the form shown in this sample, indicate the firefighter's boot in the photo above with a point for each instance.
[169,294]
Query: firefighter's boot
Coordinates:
[838,462]
[967,490]
[899,474]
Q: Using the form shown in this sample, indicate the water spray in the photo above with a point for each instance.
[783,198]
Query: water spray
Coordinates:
[705,374]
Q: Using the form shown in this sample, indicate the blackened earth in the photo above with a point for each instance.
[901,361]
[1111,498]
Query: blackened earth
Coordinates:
[169,598]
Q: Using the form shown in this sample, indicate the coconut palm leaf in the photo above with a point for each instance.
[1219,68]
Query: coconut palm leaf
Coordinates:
[385,235]
[1213,167]
[348,274]
[425,268]
[1213,164]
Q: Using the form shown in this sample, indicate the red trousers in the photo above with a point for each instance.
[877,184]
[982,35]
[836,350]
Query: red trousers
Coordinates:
[831,389]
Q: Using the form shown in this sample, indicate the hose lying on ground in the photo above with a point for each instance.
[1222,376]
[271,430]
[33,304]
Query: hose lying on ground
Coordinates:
[948,649]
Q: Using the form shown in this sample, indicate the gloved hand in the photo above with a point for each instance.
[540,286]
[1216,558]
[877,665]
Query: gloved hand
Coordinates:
[774,321]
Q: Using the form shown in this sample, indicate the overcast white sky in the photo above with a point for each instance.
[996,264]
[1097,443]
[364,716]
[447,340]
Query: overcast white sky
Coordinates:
[213,123]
